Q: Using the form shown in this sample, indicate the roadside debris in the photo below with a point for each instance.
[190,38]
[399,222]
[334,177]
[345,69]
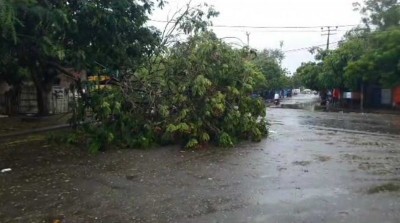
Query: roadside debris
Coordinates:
[6,170]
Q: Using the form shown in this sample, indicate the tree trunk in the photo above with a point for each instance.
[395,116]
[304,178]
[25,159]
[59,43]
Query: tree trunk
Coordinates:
[43,99]
[43,88]
[12,100]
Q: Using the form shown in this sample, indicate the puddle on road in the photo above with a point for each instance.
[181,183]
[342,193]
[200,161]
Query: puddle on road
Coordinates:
[353,157]
[371,165]
[301,163]
[372,123]
[314,139]
[291,195]
[389,187]
[323,158]
[371,144]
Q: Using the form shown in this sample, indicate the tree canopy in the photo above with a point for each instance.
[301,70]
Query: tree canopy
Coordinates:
[269,63]
[308,75]
[47,36]
[367,54]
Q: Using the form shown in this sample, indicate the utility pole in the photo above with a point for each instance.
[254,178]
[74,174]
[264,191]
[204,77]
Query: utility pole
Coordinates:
[248,39]
[328,32]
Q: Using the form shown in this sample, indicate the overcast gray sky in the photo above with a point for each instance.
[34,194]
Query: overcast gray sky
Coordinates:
[277,13]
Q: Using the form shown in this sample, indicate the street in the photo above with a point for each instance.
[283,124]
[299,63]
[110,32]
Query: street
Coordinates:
[314,167]
[200,111]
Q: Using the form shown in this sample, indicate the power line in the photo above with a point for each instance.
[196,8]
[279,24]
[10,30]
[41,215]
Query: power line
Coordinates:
[264,27]
[309,48]
[277,27]
[329,34]
[292,31]
[248,39]
[337,42]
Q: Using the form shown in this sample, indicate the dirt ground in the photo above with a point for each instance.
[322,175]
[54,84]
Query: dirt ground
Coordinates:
[314,167]
[10,125]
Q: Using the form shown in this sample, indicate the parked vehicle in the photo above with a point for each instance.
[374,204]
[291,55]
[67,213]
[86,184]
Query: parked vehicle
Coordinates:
[289,93]
[296,91]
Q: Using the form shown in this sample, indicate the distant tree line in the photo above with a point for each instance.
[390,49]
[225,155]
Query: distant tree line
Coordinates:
[368,54]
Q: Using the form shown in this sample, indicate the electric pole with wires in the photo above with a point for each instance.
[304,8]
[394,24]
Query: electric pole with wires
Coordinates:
[327,31]
[248,39]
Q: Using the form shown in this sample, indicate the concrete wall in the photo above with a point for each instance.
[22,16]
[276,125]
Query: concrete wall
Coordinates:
[4,87]
[396,97]
[59,100]
[27,99]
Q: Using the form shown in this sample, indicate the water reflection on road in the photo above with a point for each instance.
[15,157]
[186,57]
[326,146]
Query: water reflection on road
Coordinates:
[323,167]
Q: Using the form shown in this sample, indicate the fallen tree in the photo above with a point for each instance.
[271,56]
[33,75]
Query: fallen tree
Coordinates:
[200,95]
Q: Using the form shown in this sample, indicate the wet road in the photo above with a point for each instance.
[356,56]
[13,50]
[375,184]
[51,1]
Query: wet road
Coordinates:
[326,167]
[314,167]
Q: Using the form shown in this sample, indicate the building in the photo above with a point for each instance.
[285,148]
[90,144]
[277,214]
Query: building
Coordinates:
[23,100]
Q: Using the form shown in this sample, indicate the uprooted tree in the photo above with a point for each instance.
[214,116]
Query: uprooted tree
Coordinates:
[199,95]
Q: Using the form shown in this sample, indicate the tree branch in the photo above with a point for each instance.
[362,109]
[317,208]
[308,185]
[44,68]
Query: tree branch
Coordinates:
[62,70]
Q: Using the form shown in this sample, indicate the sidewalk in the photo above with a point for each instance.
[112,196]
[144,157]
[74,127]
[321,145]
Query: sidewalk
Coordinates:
[365,110]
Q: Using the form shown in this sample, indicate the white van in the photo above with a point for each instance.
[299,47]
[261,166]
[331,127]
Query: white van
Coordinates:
[296,91]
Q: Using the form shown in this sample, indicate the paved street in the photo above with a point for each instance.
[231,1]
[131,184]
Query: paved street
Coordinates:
[314,167]
[117,111]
